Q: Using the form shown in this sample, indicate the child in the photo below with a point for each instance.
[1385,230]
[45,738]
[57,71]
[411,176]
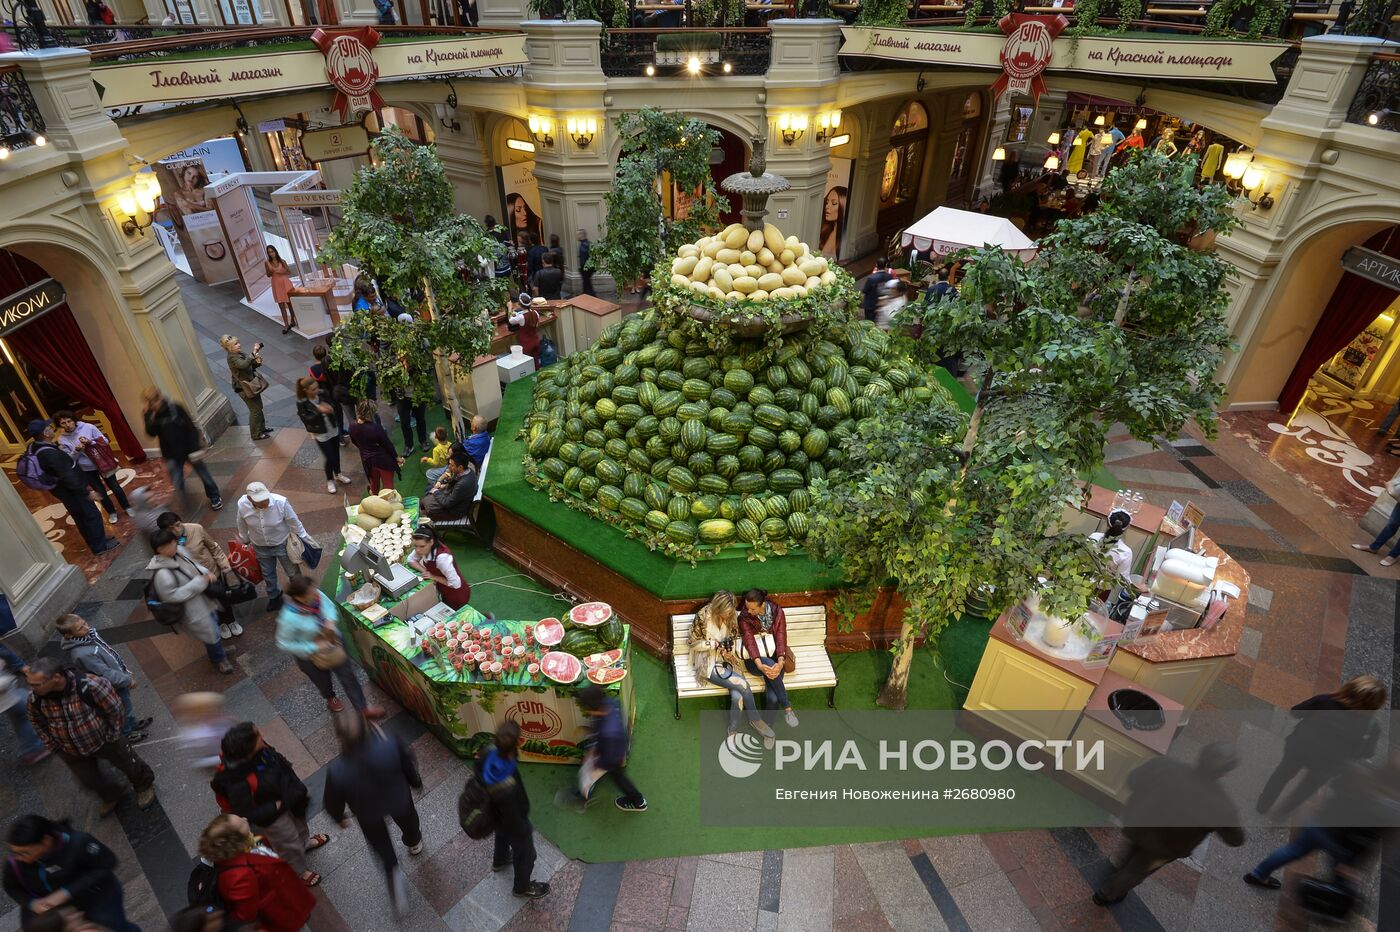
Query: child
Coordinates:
[203,723]
[442,449]
[85,650]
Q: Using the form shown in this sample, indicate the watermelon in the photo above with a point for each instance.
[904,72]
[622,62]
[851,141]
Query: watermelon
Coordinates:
[682,532]
[657,520]
[797,525]
[678,508]
[738,381]
[561,667]
[549,631]
[747,530]
[606,676]
[590,614]
[611,632]
[605,659]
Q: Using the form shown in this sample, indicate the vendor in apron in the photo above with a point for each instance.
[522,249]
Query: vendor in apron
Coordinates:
[1118,553]
[433,559]
[524,322]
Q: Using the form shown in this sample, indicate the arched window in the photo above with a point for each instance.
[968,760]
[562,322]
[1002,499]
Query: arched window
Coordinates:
[905,162]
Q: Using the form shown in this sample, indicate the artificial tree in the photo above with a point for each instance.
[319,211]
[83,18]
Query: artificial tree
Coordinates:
[1119,320]
[399,226]
[658,148]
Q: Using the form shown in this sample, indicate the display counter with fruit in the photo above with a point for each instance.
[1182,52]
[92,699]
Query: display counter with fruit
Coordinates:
[462,673]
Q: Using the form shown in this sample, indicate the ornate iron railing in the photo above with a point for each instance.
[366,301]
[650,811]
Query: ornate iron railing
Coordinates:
[630,52]
[1377,100]
[21,123]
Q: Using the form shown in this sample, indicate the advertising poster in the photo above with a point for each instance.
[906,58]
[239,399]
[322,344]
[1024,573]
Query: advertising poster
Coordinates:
[522,201]
[220,156]
[207,249]
[240,221]
[182,184]
[834,207]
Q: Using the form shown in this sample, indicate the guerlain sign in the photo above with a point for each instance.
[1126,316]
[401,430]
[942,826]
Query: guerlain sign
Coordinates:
[26,306]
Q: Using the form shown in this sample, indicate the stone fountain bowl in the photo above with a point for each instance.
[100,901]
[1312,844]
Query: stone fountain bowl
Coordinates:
[754,326]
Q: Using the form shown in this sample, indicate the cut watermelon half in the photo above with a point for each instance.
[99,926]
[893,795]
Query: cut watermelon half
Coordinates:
[590,614]
[549,631]
[561,667]
[606,659]
[606,675]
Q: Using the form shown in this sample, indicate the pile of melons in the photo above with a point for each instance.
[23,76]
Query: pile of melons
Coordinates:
[738,264]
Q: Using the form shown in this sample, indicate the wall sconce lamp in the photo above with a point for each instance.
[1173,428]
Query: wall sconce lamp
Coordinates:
[999,154]
[827,124]
[448,117]
[840,140]
[582,130]
[1054,139]
[1052,162]
[520,145]
[138,199]
[542,128]
[1376,117]
[692,65]
[1236,163]
[35,139]
[792,126]
[1254,182]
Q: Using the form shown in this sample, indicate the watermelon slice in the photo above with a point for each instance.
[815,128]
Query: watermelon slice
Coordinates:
[598,661]
[590,614]
[561,667]
[605,675]
[549,631]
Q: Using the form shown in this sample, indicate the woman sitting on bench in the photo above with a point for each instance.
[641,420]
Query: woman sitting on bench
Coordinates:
[763,627]
[712,638]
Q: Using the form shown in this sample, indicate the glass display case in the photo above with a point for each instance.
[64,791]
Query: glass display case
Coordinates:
[1357,367]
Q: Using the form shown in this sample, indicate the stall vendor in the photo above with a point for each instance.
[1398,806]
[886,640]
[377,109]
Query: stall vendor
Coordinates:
[433,559]
[524,322]
[1119,554]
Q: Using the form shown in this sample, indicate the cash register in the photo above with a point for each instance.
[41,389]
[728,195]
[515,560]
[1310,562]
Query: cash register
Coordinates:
[394,579]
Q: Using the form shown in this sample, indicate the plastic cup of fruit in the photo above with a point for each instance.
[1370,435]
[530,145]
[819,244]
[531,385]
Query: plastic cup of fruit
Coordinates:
[534,669]
[519,650]
[496,668]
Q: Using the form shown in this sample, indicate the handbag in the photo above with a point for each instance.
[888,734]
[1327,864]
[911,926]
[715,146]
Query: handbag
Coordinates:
[242,591]
[102,457]
[251,388]
[329,655]
[244,561]
[310,554]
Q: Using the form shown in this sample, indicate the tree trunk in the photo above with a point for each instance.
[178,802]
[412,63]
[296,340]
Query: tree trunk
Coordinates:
[447,378]
[895,693]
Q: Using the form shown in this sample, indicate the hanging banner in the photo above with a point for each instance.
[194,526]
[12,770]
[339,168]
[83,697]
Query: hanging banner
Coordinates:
[1158,58]
[221,156]
[834,200]
[173,80]
[351,69]
[522,201]
[1029,48]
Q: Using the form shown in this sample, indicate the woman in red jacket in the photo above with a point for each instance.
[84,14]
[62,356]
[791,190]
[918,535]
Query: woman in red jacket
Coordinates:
[256,885]
[763,628]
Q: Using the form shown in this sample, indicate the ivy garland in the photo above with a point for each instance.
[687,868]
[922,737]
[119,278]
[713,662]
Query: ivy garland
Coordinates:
[823,306]
[975,8]
[882,12]
[1266,21]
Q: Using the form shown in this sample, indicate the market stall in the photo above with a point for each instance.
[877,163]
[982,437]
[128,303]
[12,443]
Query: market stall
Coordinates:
[947,230]
[462,672]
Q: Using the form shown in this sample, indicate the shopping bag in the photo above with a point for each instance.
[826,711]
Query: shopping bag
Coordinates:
[244,561]
[589,774]
[102,457]
[310,553]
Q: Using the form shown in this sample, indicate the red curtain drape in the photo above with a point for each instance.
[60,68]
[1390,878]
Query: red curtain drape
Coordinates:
[56,347]
[1355,303]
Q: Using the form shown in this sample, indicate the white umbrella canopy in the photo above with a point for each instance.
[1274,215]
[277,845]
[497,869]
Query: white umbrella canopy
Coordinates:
[948,229]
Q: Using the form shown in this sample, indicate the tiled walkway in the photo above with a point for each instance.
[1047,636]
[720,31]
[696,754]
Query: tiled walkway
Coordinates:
[1316,616]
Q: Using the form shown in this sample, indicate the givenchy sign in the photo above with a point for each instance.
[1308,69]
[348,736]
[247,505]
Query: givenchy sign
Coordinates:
[28,305]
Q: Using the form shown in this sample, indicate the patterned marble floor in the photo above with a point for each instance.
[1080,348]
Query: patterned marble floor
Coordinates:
[1315,616]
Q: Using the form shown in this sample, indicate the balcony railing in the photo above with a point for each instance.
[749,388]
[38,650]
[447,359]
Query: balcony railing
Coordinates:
[631,52]
[21,123]
[1377,100]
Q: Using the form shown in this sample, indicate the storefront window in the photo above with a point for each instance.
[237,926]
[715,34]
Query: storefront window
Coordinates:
[1020,123]
[905,161]
[407,122]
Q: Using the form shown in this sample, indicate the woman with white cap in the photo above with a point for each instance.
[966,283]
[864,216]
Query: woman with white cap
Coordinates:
[524,322]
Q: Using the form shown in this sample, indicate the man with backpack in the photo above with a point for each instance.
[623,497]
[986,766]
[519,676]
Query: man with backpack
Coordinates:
[45,467]
[494,801]
[259,784]
[79,717]
[87,652]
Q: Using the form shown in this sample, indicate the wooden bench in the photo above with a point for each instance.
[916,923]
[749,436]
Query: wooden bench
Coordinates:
[468,521]
[806,640]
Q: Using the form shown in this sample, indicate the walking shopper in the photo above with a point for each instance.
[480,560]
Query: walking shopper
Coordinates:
[548,282]
[255,782]
[306,629]
[1334,729]
[14,702]
[763,627]
[377,454]
[57,474]
[375,776]
[585,248]
[515,836]
[610,745]
[52,866]
[336,381]
[1171,808]
[871,291]
[79,718]
[266,521]
[179,580]
[248,383]
[202,548]
[146,509]
[180,443]
[1391,526]
[281,278]
[316,411]
[92,452]
[85,651]
[259,890]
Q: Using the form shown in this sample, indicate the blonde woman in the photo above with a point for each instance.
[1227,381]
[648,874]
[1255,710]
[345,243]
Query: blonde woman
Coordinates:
[248,384]
[255,884]
[712,640]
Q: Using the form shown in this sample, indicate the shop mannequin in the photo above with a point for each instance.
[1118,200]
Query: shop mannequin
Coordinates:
[1211,161]
[1079,150]
[1106,143]
[1135,141]
[1167,145]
